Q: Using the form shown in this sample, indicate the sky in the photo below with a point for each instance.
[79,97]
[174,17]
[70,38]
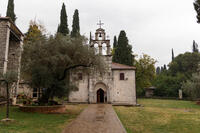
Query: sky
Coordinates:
[153,27]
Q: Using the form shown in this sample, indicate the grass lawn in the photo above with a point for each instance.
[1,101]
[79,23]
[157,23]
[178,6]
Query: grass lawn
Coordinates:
[38,123]
[161,116]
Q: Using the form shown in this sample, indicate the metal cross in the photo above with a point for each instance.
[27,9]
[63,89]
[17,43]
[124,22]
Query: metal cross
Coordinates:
[100,23]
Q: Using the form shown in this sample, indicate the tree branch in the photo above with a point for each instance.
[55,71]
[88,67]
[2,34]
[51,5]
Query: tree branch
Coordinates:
[72,67]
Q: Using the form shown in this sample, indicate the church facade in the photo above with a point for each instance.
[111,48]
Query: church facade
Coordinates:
[116,86]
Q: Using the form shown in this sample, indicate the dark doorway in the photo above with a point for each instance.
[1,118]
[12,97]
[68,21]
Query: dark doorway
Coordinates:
[100,96]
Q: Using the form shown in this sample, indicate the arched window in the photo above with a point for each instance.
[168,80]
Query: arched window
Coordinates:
[121,77]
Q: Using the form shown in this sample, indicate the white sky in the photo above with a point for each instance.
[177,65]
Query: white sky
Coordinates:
[153,27]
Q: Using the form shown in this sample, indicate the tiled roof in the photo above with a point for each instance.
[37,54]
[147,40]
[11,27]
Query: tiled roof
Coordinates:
[117,66]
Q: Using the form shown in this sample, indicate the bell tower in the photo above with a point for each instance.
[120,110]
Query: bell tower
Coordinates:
[101,42]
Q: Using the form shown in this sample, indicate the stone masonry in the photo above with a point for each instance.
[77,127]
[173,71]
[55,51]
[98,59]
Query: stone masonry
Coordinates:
[11,41]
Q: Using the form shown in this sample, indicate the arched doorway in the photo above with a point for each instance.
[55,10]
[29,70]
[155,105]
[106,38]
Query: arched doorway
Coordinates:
[100,96]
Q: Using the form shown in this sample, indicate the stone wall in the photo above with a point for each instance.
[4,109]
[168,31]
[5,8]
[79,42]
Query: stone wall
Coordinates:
[3,38]
[80,95]
[124,91]
[14,55]
[10,51]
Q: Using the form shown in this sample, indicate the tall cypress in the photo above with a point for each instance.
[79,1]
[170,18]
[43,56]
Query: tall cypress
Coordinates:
[123,51]
[172,54]
[75,26]
[63,27]
[115,42]
[195,47]
[165,67]
[114,59]
[10,10]
[158,71]
[197,8]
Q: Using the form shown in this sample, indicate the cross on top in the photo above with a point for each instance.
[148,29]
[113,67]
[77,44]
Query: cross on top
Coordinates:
[100,23]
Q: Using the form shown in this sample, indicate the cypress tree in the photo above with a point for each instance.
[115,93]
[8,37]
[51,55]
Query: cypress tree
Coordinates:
[158,70]
[114,59]
[165,67]
[197,8]
[115,42]
[63,27]
[10,10]
[123,51]
[195,47]
[172,54]
[75,26]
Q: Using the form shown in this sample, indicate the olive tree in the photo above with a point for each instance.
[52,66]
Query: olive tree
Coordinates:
[46,63]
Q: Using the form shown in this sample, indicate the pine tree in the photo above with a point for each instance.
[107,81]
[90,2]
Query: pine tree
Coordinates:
[172,54]
[123,51]
[63,27]
[197,8]
[75,26]
[10,10]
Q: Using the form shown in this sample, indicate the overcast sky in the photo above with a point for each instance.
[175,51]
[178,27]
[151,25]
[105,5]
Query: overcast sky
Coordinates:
[153,27]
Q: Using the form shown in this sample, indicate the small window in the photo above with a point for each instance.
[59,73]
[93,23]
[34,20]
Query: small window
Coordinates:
[80,76]
[121,76]
[35,92]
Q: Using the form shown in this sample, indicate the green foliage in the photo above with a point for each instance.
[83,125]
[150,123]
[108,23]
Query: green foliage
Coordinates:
[186,64]
[180,69]
[63,26]
[123,51]
[75,26]
[145,73]
[34,33]
[10,10]
[46,63]
[197,9]
[167,85]
[192,87]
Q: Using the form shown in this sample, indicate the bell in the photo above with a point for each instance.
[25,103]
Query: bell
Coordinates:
[100,35]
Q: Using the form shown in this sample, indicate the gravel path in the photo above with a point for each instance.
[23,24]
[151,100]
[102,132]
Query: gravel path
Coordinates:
[96,118]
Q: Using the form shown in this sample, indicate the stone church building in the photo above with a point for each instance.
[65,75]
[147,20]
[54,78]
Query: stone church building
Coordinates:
[116,86]
[11,42]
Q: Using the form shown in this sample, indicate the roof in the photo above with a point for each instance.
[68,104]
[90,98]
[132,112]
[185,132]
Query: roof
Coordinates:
[13,27]
[117,66]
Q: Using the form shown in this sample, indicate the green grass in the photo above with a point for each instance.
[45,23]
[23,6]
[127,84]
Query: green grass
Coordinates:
[38,123]
[161,116]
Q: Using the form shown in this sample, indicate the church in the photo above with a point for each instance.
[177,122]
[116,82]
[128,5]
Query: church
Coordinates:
[116,86]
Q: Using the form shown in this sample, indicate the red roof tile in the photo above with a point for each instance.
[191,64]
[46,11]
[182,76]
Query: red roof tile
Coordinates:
[117,66]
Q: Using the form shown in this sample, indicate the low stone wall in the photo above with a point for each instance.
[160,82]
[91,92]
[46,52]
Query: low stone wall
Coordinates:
[44,109]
